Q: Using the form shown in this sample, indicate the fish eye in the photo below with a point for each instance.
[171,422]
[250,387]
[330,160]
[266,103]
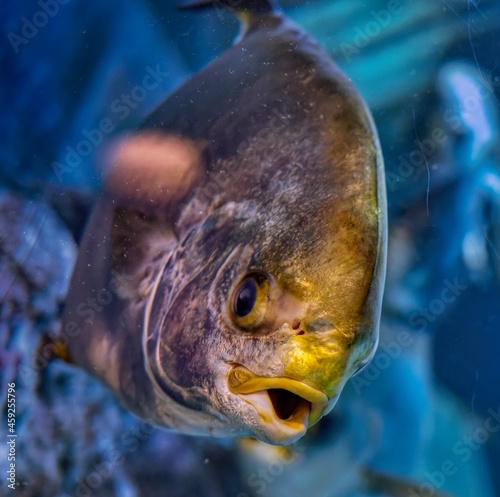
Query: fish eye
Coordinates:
[246,298]
[249,301]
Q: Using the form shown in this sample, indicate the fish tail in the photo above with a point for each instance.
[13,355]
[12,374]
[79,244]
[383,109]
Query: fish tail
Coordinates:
[244,9]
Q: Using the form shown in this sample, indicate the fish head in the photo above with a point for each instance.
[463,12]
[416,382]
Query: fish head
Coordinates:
[272,301]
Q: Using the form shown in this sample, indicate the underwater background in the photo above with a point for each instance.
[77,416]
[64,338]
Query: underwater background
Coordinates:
[426,410]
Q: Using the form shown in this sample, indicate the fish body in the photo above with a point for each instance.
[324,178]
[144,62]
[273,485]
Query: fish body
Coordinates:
[231,275]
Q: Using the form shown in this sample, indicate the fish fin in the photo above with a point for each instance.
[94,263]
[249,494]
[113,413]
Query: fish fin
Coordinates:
[264,453]
[51,348]
[152,174]
[394,486]
[244,9]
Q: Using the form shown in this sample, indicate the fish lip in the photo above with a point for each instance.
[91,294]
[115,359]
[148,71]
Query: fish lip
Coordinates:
[254,389]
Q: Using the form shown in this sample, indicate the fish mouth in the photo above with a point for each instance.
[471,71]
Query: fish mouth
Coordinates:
[286,407]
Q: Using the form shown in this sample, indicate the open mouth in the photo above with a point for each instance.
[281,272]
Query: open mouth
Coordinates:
[286,407]
[285,403]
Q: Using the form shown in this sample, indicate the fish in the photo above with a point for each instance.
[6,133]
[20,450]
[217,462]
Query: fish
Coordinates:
[229,280]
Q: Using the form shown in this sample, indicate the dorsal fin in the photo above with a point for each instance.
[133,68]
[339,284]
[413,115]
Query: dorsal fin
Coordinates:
[244,9]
